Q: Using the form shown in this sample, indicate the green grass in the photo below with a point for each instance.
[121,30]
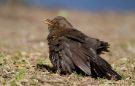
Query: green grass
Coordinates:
[17,68]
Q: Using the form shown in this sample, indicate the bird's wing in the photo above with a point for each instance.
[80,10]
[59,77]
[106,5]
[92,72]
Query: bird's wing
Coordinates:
[74,51]
[85,56]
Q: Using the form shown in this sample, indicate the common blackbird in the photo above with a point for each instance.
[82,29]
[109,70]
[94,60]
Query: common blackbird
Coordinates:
[72,51]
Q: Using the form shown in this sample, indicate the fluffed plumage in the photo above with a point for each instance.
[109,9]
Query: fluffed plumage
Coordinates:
[70,50]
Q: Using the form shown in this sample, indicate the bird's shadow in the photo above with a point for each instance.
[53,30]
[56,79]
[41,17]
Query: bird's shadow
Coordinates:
[47,67]
[54,70]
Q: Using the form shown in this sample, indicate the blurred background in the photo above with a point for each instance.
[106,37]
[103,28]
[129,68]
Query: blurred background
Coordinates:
[22,27]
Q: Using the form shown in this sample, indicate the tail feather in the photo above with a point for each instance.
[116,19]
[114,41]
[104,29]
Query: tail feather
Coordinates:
[103,47]
[114,75]
[104,70]
[99,71]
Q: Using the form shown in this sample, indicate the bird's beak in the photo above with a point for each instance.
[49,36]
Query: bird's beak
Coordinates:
[48,21]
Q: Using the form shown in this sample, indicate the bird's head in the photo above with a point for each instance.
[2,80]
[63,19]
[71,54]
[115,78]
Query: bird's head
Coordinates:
[58,22]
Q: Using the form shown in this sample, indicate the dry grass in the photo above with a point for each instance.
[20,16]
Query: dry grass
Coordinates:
[23,45]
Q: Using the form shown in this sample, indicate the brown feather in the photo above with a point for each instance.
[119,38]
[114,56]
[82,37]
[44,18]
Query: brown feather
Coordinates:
[70,50]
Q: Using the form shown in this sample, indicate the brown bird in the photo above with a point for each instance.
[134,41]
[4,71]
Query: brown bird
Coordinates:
[72,51]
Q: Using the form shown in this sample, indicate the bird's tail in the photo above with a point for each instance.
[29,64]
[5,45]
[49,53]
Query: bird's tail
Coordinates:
[103,47]
[104,70]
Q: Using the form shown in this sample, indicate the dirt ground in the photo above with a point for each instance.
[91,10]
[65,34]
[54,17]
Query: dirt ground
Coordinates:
[24,50]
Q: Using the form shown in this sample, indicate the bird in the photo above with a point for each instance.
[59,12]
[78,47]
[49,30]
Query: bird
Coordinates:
[71,51]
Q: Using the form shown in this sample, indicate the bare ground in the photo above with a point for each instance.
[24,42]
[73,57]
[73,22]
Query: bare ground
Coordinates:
[23,46]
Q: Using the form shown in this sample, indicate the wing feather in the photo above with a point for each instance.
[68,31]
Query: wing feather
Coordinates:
[74,52]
